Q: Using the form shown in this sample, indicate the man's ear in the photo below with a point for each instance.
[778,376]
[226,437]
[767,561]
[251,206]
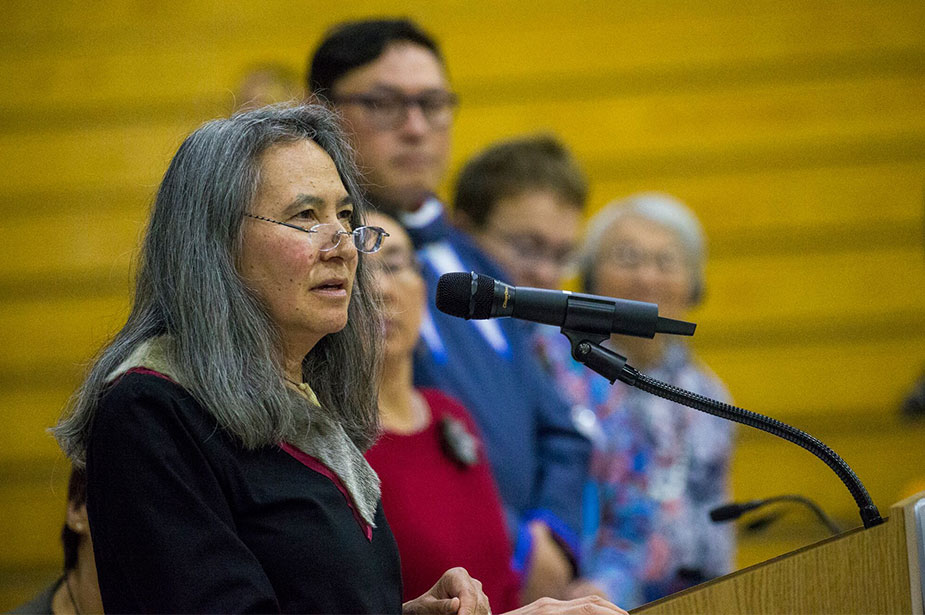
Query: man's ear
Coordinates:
[77,518]
[462,221]
[696,294]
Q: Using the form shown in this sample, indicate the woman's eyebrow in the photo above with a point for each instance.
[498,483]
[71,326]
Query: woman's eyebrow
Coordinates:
[303,199]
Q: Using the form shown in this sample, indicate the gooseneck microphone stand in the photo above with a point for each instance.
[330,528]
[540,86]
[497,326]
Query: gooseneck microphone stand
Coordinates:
[587,349]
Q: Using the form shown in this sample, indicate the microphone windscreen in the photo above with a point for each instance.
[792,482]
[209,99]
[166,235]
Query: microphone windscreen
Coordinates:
[453,292]
[455,295]
[484,297]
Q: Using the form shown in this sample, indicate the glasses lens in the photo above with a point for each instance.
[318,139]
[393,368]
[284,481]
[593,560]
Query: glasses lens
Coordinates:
[438,109]
[387,111]
[325,237]
[368,239]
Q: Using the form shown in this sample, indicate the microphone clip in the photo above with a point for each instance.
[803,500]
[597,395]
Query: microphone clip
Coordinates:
[587,350]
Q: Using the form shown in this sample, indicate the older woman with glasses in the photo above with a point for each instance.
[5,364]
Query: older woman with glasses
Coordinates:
[431,446]
[657,467]
[224,426]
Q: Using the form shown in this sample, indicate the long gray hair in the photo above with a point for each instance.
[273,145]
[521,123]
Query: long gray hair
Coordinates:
[188,281]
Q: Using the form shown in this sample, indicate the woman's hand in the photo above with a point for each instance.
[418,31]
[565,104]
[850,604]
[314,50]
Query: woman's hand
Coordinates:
[455,592]
[586,605]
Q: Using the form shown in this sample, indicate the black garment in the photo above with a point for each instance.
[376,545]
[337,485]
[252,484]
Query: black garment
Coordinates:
[41,603]
[184,519]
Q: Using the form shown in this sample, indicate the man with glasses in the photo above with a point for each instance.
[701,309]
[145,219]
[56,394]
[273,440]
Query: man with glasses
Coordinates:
[522,201]
[388,81]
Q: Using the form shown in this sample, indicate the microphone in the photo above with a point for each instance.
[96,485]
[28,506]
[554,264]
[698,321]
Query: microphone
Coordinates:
[587,320]
[477,296]
[734,510]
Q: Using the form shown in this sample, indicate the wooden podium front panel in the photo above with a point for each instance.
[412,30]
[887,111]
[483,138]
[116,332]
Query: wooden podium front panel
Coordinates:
[861,571]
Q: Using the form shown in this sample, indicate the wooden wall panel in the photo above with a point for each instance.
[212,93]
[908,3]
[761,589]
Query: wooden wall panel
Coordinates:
[39,334]
[742,127]
[26,439]
[134,154]
[42,524]
[822,378]
[654,33]
[793,115]
[789,199]
[815,287]
[72,242]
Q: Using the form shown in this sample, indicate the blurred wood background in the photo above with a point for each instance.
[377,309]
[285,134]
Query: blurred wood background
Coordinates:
[796,131]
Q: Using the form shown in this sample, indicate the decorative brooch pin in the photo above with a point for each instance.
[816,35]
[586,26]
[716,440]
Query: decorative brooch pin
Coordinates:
[458,444]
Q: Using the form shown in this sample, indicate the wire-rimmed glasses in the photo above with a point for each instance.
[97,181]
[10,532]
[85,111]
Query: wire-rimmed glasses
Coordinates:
[327,236]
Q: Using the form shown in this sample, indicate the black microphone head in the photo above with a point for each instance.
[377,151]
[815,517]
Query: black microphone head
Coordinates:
[453,292]
[455,295]
[734,510]
[726,512]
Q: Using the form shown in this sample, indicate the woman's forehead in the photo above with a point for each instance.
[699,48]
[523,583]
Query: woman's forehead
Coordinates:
[643,230]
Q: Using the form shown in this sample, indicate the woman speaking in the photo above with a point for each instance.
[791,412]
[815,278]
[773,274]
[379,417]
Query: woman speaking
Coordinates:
[224,426]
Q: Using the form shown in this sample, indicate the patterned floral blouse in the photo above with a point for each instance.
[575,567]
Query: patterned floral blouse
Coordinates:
[656,471]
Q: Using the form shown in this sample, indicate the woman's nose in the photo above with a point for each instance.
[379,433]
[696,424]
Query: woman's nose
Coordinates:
[336,242]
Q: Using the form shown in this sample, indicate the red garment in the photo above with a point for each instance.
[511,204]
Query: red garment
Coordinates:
[441,513]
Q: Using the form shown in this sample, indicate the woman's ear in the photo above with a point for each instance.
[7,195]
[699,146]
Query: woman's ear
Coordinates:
[696,297]
[586,280]
[77,518]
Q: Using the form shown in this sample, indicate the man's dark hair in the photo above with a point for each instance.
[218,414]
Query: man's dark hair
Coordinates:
[352,44]
[510,168]
[76,496]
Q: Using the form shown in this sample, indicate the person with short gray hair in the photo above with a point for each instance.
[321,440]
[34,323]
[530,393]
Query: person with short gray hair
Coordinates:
[658,468]
[658,208]
[223,428]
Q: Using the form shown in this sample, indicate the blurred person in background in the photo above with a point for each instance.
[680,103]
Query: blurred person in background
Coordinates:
[430,445]
[657,467]
[522,200]
[388,81]
[77,591]
[266,84]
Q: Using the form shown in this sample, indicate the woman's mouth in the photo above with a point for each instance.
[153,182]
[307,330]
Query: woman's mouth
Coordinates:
[332,288]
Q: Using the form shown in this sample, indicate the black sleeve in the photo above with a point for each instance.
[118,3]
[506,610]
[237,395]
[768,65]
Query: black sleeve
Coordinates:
[162,528]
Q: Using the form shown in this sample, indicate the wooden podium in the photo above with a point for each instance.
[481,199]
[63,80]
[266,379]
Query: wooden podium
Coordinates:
[860,571]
